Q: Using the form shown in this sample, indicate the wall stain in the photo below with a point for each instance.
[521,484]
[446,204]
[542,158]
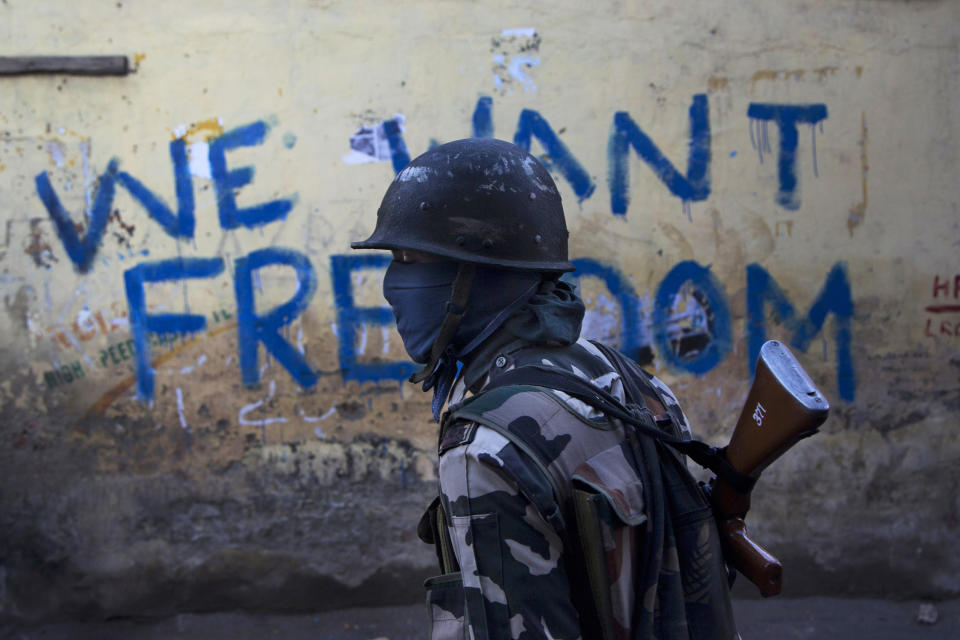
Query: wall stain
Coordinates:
[796,74]
[684,249]
[117,390]
[823,72]
[351,410]
[122,240]
[203,130]
[18,309]
[38,248]
[763,75]
[859,211]
[716,83]
[759,240]
[730,258]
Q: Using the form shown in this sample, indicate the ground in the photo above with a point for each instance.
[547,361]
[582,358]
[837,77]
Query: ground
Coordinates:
[781,619]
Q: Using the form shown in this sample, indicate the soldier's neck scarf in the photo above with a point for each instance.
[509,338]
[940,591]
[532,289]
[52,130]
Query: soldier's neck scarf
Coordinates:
[419,292]
[551,316]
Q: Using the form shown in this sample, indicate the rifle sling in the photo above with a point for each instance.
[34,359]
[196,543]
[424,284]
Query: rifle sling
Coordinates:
[568,382]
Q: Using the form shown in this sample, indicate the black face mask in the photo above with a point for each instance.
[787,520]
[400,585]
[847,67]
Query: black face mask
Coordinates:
[418,293]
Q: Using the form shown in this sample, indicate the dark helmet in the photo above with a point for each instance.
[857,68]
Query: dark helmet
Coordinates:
[477,200]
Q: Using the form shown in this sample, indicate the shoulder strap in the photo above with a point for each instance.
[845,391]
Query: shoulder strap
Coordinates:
[639,417]
[474,410]
[636,381]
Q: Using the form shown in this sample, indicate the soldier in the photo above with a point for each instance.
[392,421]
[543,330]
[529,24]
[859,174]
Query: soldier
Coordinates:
[554,520]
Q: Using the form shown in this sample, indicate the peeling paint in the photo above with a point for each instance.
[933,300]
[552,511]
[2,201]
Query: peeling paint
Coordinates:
[198,153]
[514,56]
[372,143]
[202,130]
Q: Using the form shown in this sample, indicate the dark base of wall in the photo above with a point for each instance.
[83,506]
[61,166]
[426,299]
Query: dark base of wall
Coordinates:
[867,576]
[298,593]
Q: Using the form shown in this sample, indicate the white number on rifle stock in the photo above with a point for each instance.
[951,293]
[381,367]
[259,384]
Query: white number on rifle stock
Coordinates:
[758,414]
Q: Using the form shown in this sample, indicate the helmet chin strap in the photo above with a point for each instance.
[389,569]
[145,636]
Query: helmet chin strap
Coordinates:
[456,308]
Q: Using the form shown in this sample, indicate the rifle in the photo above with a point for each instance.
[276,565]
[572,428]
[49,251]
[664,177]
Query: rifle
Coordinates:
[782,407]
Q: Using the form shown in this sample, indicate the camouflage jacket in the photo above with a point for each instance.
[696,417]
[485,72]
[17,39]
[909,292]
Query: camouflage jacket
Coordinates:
[509,466]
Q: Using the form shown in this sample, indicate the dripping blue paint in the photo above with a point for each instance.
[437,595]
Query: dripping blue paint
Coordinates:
[786,117]
[835,297]
[626,134]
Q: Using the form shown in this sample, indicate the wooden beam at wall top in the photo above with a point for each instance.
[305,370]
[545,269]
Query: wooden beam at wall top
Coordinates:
[71,65]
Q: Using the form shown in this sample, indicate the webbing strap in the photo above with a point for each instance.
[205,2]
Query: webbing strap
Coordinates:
[638,417]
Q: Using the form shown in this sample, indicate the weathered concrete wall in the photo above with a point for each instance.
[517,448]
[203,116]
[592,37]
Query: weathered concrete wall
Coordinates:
[731,173]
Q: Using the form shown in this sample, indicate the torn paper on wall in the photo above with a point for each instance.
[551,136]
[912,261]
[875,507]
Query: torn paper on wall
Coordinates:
[515,52]
[370,143]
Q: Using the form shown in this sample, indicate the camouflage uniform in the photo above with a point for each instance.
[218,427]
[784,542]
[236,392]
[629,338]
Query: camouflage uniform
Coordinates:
[508,526]
[555,515]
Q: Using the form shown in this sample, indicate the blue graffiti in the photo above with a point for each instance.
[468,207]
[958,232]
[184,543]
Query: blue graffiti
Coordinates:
[835,297]
[632,338]
[694,186]
[181,224]
[532,125]
[351,319]
[81,252]
[709,295]
[142,324]
[786,117]
[398,148]
[639,334]
[226,181]
[483,118]
[254,328]
[697,349]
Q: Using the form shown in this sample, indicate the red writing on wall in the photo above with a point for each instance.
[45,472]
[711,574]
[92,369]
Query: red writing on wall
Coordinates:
[87,325]
[946,299]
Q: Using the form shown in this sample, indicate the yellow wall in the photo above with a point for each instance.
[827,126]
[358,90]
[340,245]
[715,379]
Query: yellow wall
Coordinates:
[284,469]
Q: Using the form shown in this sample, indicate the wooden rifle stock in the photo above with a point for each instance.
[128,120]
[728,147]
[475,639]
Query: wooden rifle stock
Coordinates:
[783,406]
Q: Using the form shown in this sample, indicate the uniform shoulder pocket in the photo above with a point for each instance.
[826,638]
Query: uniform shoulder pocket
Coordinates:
[611,474]
[609,508]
